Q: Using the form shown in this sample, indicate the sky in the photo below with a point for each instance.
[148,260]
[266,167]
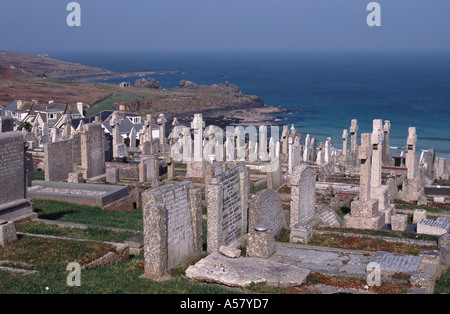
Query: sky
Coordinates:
[225,25]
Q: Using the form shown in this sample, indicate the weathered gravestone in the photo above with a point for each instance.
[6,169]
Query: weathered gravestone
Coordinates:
[391,263]
[7,232]
[172,227]
[6,124]
[92,150]
[303,198]
[439,226]
[266,209]
[13,201]
[364,212]
[227,207]
[58,160]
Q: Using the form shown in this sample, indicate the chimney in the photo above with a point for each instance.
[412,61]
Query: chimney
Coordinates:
[19,103]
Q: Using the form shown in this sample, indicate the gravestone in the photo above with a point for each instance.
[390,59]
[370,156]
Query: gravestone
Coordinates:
[172,227]
[92,150]
[391,263]
[58,160]
[413,185]
[303,198]
[387,158]
[13,199]
[196,167]
[6,124]
[364,212]
[438,227]
[379,191]
[301,233]
[344,142]
[294,156]
[399,222]
[227,203]
[329,218]
[108,147]
[261,242]
[431,154]
[7,232]
[266,209]
[112,175]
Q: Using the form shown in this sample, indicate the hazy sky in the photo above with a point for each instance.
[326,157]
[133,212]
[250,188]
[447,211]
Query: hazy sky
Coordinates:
[40,25]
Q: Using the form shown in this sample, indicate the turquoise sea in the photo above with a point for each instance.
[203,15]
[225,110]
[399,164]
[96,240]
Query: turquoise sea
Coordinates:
[328,89]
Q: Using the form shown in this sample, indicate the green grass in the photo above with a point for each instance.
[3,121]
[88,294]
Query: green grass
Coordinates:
[55,210]
[427,208]
[39,175]
[284,235]
[443,283]
[96,234]
[391,234]
[121,278]
[48,252]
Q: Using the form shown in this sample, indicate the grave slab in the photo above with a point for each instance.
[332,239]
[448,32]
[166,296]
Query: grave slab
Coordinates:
[242,271]
[392,263]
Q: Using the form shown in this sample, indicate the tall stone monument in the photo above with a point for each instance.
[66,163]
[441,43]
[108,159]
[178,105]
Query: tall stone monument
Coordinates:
[13,189]
[364,212]
[379,191]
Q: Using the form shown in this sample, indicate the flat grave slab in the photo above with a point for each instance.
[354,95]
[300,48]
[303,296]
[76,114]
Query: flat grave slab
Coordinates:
[242,271]
[392,263]
[77,193]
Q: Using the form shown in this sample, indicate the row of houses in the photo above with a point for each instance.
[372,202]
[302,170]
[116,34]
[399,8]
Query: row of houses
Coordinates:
[52,114]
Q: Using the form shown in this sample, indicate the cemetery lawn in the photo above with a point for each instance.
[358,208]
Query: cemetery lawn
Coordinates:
[366,244]
[443,284]
[55,210]
[39,175]
[43,253]
[121,278]
[91,233]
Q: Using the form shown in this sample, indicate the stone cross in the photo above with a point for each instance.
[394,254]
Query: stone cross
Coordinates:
[67,125]
[411,157]
[354,136]
[320,156]
[344,142]
[45,129]
[133,137]
[307,151]
[365,157]
[387,131]
[148,124]
[162,131]
[197,125]
[377,152]
[117,138]
[263,155]
[284,140]
[313,149]
[328,150]
[431,154]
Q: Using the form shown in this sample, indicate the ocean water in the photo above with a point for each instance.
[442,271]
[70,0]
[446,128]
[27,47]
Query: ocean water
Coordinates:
[328,89]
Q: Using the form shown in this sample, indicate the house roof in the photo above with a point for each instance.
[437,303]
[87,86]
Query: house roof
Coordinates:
[124,128]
